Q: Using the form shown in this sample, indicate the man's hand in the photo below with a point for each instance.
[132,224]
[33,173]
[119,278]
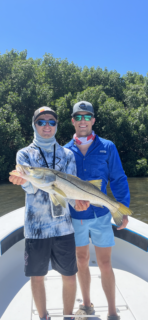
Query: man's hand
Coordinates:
[124,223]
[81,205]
[17,180]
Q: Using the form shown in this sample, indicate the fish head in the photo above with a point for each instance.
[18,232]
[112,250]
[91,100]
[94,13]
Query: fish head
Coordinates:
[37,176]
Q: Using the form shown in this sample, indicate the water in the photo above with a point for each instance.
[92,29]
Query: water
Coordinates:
[12,197]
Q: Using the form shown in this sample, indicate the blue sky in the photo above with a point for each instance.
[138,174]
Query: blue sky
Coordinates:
[104,33]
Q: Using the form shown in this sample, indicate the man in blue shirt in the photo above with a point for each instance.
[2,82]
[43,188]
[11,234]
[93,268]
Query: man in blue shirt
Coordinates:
[96,159]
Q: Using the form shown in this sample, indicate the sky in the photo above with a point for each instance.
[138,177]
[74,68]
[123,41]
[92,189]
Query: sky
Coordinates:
[99,33]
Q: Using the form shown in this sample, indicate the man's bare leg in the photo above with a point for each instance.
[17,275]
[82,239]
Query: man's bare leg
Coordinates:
[82,254]
[39,295]
[69,293]
[107,276]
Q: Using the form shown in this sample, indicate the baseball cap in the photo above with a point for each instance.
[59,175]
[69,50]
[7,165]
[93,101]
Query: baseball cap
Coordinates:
[83,106]
[44,110]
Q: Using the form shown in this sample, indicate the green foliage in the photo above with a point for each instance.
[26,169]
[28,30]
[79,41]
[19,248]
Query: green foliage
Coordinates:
[11,140]
[65,127]
[120,103]
[142,167]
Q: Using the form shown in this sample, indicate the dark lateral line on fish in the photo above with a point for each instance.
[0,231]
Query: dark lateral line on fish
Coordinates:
[82,189]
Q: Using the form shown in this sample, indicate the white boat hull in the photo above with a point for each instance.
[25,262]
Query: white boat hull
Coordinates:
[13,283]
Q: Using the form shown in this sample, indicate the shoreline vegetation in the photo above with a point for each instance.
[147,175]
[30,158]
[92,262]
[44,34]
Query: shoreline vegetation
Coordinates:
[120,104]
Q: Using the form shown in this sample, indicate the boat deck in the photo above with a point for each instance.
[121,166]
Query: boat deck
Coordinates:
[131,298]
[129,260]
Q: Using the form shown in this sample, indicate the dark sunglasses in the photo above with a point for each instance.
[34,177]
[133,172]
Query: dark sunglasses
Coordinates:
[78,117]
[42,123]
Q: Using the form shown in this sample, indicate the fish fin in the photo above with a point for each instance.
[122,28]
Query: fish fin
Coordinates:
[124,210]
[59,191]
[118,215]
[64,175]
[74,177]
[96,205]
[60,200]
[54,200]
[96,183]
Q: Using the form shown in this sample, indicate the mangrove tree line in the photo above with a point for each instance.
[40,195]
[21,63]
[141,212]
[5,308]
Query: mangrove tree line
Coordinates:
[120,103]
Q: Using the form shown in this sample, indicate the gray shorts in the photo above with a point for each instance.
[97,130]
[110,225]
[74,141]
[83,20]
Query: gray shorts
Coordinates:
[61,251]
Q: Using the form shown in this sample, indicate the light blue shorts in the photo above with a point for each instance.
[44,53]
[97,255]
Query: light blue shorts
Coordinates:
[99,229]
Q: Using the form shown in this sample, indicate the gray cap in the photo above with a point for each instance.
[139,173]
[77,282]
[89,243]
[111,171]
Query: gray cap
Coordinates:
[43,110]
[83,106]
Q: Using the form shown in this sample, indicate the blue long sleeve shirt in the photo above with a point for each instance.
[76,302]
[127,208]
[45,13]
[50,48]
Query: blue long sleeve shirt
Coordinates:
[101,161]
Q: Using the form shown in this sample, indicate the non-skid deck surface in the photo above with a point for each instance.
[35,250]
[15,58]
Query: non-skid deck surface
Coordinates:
[131,298]
[53,284]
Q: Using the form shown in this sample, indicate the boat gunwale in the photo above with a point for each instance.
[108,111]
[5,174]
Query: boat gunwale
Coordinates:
[17,234]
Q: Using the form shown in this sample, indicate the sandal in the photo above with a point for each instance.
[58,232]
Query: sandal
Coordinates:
[84,310]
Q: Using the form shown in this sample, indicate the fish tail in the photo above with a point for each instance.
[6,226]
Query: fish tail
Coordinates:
[121,211]
[124,210]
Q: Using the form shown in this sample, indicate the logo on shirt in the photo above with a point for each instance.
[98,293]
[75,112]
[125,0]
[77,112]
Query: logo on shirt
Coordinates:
[103,151]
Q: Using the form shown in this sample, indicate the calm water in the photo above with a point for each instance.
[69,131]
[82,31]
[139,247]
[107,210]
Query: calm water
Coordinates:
[12,197]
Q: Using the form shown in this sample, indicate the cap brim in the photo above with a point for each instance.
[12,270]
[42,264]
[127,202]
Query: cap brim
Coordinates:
[45,112]
[82,111]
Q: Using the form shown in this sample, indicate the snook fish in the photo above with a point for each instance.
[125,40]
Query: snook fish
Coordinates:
[60,186]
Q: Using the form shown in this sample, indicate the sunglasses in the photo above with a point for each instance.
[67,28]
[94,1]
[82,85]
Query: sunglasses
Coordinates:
[42,123]
[78,117]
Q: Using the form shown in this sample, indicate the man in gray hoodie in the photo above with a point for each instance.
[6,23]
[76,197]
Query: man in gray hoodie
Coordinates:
[49,235]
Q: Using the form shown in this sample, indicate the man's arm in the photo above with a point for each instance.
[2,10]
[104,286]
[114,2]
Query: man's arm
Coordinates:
[79,205]
[118,182]
[17,180]
[23,159]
